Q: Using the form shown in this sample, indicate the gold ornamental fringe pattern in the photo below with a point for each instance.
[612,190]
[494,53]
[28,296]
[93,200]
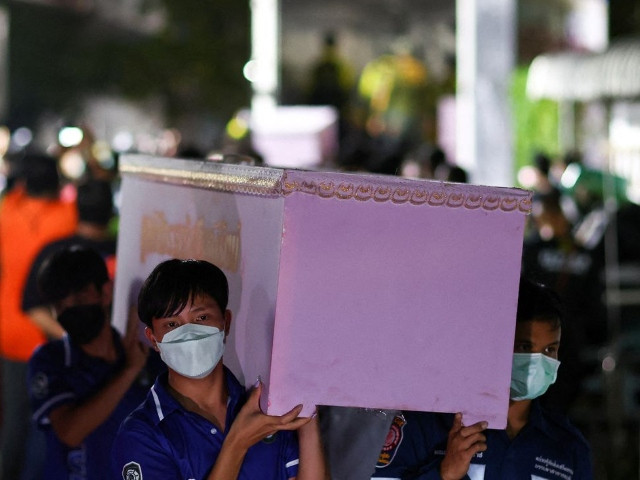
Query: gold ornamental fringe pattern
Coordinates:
[403,194]
[273,182]
[238,180]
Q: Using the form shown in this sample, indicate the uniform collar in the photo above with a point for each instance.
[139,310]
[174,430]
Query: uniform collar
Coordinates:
[73,354]
[163,404]
[538,419]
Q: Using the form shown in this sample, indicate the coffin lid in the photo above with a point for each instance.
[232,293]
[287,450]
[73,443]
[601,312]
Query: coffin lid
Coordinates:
[276,182]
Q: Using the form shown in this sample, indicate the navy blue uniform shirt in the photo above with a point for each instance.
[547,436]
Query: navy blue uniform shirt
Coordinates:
[547,448]
[61,373]
[163,440]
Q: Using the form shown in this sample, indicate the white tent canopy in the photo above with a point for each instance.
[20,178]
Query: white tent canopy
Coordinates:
[575,76]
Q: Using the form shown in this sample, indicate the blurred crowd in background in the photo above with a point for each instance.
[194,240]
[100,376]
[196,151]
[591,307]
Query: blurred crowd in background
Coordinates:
[580,219]
[582,237]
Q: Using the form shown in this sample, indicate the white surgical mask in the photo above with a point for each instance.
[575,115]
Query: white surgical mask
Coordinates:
[531,375]
[192,350]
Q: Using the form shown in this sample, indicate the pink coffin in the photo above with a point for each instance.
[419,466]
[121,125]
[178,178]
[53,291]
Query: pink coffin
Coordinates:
[347,290]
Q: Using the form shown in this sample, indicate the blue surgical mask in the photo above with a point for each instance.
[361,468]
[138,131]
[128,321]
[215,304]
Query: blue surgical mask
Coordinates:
[192,350]
[531,375]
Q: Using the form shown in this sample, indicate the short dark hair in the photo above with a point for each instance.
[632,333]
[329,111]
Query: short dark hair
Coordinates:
[539,302]
[41,174]
[95,202]
[173,283]
[70,270]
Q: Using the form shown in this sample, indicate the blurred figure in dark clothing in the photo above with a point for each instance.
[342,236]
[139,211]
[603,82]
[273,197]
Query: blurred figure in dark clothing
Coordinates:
[331,77]
[542,163]
[553,257]
[331,82]
[423,162]
[456,174]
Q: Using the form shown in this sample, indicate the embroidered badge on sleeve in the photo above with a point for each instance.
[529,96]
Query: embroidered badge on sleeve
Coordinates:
[392,442]
[132,471]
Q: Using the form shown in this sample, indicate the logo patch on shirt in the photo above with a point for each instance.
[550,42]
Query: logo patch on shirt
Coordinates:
[553,468]
[132,471]
[40,385]
[392,442]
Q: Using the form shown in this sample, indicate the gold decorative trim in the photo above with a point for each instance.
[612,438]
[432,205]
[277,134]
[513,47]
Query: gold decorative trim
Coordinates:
[276,182]
[203,174]
[442,194]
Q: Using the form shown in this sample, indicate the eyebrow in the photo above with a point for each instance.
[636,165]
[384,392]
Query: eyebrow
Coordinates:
[203,308]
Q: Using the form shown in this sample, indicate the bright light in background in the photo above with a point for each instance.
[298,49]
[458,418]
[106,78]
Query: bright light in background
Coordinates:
[528,177]
[624,134]
[70,136]
[609,363]
[237,127]
[570,175]
[265,21]
[168,141]
[22,137]
[249,71]
[5,140]
[122,141]
[410,170]
[102,153]
[72,164]
[588,25]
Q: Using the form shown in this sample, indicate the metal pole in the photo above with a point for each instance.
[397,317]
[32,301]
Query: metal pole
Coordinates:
[485,55]
[265,55]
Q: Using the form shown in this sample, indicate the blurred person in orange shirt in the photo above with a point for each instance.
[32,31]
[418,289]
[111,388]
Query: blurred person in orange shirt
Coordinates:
[31,215]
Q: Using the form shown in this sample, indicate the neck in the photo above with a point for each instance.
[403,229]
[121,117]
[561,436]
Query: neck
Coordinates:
[205,396]
[92,231]
[518,416]
[102,346]
[53,195]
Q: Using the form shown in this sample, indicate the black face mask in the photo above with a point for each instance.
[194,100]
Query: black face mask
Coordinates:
[83,323]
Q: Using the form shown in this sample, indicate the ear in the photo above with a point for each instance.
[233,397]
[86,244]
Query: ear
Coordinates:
[227,323]
[107,293]
[56,309]
[152,339]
